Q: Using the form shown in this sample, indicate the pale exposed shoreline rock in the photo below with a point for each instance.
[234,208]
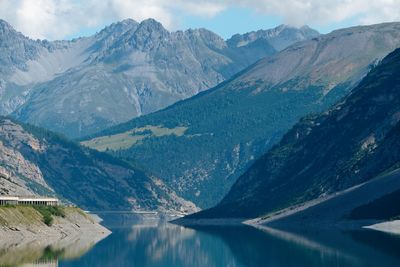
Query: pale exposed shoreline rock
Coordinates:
[328,212]
[76,228]
[392,227]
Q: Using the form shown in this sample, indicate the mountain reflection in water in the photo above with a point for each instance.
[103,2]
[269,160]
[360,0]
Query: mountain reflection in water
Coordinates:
[151,242]
[38,254]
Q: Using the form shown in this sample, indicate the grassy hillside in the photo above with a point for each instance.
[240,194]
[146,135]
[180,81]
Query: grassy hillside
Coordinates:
[13,216]
[129,138]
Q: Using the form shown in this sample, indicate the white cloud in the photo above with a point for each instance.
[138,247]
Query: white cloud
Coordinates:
[320,12]
[56,19]
[141,9]
[42,18]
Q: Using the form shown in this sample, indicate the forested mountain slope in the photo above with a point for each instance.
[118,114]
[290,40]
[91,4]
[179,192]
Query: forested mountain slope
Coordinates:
[353,142]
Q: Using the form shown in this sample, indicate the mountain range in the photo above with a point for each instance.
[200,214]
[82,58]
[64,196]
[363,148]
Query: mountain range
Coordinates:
[259,124]
[200,146]
[126,70]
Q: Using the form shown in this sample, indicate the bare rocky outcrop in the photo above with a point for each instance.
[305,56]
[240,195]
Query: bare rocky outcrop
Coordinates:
[19,175]
[34,161]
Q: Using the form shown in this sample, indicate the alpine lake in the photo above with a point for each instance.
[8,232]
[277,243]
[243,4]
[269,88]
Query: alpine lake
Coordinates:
[142,241]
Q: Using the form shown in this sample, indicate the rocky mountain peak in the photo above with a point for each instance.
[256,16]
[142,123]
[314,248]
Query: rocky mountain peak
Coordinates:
[278,29]
[148,35]
[8,32]
[207,36]
[15,48]
[123,25]
[151,25]
[5,27]
[118,28]
[306,28]
[128,22]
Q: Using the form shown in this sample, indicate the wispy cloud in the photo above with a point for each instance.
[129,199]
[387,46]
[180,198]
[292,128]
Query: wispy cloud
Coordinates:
[55,19]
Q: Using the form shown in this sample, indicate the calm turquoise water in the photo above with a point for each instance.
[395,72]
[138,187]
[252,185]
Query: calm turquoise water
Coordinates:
[154,243]
[163,244]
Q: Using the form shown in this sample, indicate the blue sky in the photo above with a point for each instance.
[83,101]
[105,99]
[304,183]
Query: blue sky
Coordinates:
[241,20]
[65,19]
[233,20]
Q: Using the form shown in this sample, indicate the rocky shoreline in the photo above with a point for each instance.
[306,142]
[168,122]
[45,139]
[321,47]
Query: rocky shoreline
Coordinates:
[22,226]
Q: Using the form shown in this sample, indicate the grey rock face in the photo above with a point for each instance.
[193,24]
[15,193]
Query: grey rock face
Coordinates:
[126,70]
[15,48]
